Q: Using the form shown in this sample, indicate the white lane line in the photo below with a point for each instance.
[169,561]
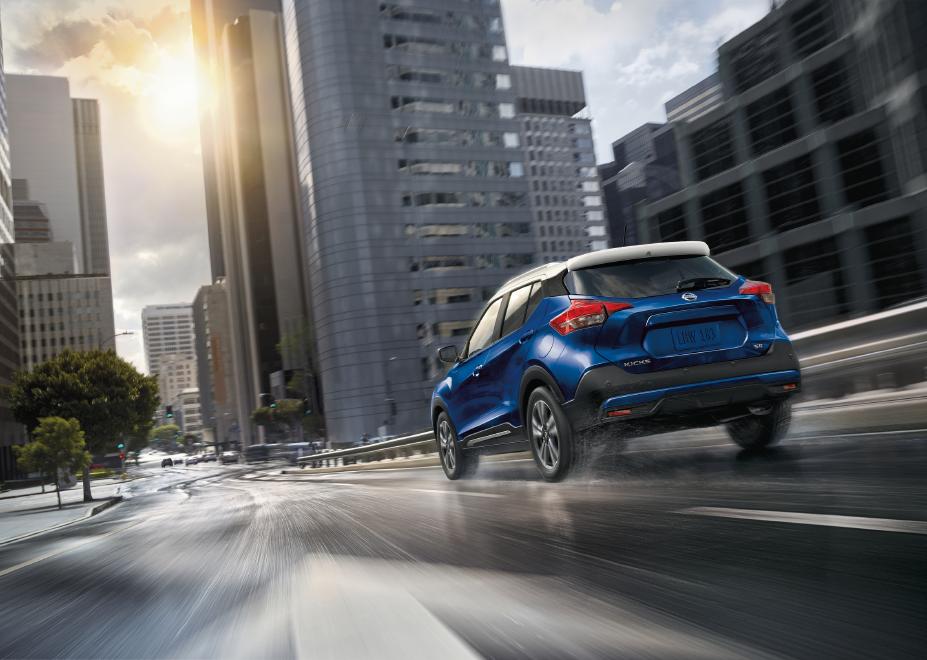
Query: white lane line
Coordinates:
[69,548]
[820,519]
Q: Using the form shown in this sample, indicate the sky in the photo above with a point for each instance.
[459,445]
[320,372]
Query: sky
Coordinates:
[136,57]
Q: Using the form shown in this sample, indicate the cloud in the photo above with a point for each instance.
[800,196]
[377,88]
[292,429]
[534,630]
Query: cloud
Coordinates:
[634,54]
[132,56]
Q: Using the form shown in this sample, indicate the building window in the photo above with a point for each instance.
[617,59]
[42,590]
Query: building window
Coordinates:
[713,149]
[832,96]
[724,218]
[755,60]
[791,195]
[815,282]
[812,28]
[895,263]
[864,180]
[671,225]
[772,122]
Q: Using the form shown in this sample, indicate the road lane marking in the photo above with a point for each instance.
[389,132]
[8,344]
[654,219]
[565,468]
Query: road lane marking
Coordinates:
[56,553]
[820,519]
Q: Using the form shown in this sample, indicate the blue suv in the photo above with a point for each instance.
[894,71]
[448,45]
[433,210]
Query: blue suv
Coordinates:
[615,343]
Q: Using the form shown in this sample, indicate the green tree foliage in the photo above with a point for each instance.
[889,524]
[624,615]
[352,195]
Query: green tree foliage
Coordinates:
[106,394]
[263,416]
[165,435]
[57,446]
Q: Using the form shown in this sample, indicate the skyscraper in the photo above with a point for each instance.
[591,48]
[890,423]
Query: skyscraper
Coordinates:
[44,152]
[411,175]
[89,150]
[257,204]
[810,173]
[569,218]
[215,375]
[209,18]
[167,330]
[645,169]
[10,432]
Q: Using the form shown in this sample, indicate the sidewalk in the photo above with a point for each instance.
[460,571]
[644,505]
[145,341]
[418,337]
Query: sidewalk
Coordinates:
[22,516]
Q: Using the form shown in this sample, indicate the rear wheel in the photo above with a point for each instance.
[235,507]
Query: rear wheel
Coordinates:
[550,435]
[761,430]
[455,461]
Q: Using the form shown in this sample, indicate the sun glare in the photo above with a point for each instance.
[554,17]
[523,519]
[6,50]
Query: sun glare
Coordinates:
[170,105]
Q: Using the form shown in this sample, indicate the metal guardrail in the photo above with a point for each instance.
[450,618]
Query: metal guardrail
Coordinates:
[830,368]
[402,447]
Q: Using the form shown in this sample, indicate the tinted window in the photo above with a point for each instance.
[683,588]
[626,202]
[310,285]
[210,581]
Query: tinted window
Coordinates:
[515,312]
[483,333]
[642,278]
[537,295]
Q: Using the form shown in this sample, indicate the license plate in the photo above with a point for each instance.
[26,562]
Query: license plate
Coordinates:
[705,335]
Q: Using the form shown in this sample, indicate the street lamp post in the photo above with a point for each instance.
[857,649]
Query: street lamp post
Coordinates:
[103,342]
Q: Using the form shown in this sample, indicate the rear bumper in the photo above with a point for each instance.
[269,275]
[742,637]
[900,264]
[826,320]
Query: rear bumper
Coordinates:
[695,396]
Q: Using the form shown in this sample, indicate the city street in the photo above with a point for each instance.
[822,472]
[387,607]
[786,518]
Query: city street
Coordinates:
[691,549]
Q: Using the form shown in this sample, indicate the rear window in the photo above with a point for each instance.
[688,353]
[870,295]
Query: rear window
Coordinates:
[644,277]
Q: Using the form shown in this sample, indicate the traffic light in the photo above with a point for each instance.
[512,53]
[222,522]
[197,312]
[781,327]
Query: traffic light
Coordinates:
[169,412]
[273,403]
[307,409]
[121,445]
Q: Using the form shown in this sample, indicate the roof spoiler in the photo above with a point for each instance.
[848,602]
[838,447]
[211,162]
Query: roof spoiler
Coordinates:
[634,252]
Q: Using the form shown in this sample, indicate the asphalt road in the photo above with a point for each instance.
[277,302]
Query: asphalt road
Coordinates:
[688,548]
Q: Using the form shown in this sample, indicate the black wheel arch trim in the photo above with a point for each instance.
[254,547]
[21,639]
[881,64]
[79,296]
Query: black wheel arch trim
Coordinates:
[533,374]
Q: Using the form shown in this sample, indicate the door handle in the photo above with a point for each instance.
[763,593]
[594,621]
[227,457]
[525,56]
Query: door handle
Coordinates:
[525,337]
[476,372]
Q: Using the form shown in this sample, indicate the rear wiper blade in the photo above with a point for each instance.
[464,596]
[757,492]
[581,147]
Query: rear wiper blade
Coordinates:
[696,283]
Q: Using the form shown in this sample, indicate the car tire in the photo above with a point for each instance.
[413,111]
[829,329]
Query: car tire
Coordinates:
[456,463]
[549,435]
[758,431]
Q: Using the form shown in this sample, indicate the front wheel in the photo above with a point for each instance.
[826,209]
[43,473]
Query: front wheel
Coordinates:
[455,462]
[550,435]
[757,431]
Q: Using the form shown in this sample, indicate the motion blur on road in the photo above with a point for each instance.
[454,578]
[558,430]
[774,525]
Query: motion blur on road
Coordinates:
[688,548]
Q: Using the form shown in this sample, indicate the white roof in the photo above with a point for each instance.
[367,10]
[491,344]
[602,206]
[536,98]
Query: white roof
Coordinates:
[632,252]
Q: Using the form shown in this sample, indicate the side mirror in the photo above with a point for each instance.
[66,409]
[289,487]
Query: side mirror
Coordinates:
[448,354]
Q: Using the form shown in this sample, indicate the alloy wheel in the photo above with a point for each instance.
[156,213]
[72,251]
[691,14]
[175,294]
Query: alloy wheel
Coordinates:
[446,445]
[545,435]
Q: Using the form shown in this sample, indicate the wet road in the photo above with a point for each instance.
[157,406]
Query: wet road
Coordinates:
[689,549]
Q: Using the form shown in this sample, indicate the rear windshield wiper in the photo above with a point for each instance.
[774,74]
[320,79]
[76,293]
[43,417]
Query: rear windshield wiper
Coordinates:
[696,283]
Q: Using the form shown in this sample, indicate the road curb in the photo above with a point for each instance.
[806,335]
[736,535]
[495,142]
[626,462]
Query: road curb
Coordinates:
[99,508]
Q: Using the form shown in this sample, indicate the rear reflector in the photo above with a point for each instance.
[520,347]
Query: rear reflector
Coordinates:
[789,387]
[618,413]
[761,289]
[584,314]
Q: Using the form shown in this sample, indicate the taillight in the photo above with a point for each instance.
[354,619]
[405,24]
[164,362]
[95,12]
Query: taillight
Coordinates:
[761,289]
[584,314]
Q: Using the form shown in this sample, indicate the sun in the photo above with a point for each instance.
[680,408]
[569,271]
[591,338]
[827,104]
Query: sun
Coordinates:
[169,104]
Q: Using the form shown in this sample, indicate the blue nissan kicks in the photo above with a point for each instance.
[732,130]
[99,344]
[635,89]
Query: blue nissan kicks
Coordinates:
[615,343]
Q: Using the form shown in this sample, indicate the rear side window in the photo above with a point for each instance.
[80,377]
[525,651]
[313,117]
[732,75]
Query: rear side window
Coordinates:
[515,311]
[483,332]
[646,277]
[537,295]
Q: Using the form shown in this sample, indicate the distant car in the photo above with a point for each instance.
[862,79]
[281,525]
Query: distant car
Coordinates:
[614,343]
[167,462]
[193,460]
[229,457]
[208,458]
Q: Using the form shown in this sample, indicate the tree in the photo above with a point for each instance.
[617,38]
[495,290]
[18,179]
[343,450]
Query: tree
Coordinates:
[263,416]
[57,445]
[164,435]
[106,394]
